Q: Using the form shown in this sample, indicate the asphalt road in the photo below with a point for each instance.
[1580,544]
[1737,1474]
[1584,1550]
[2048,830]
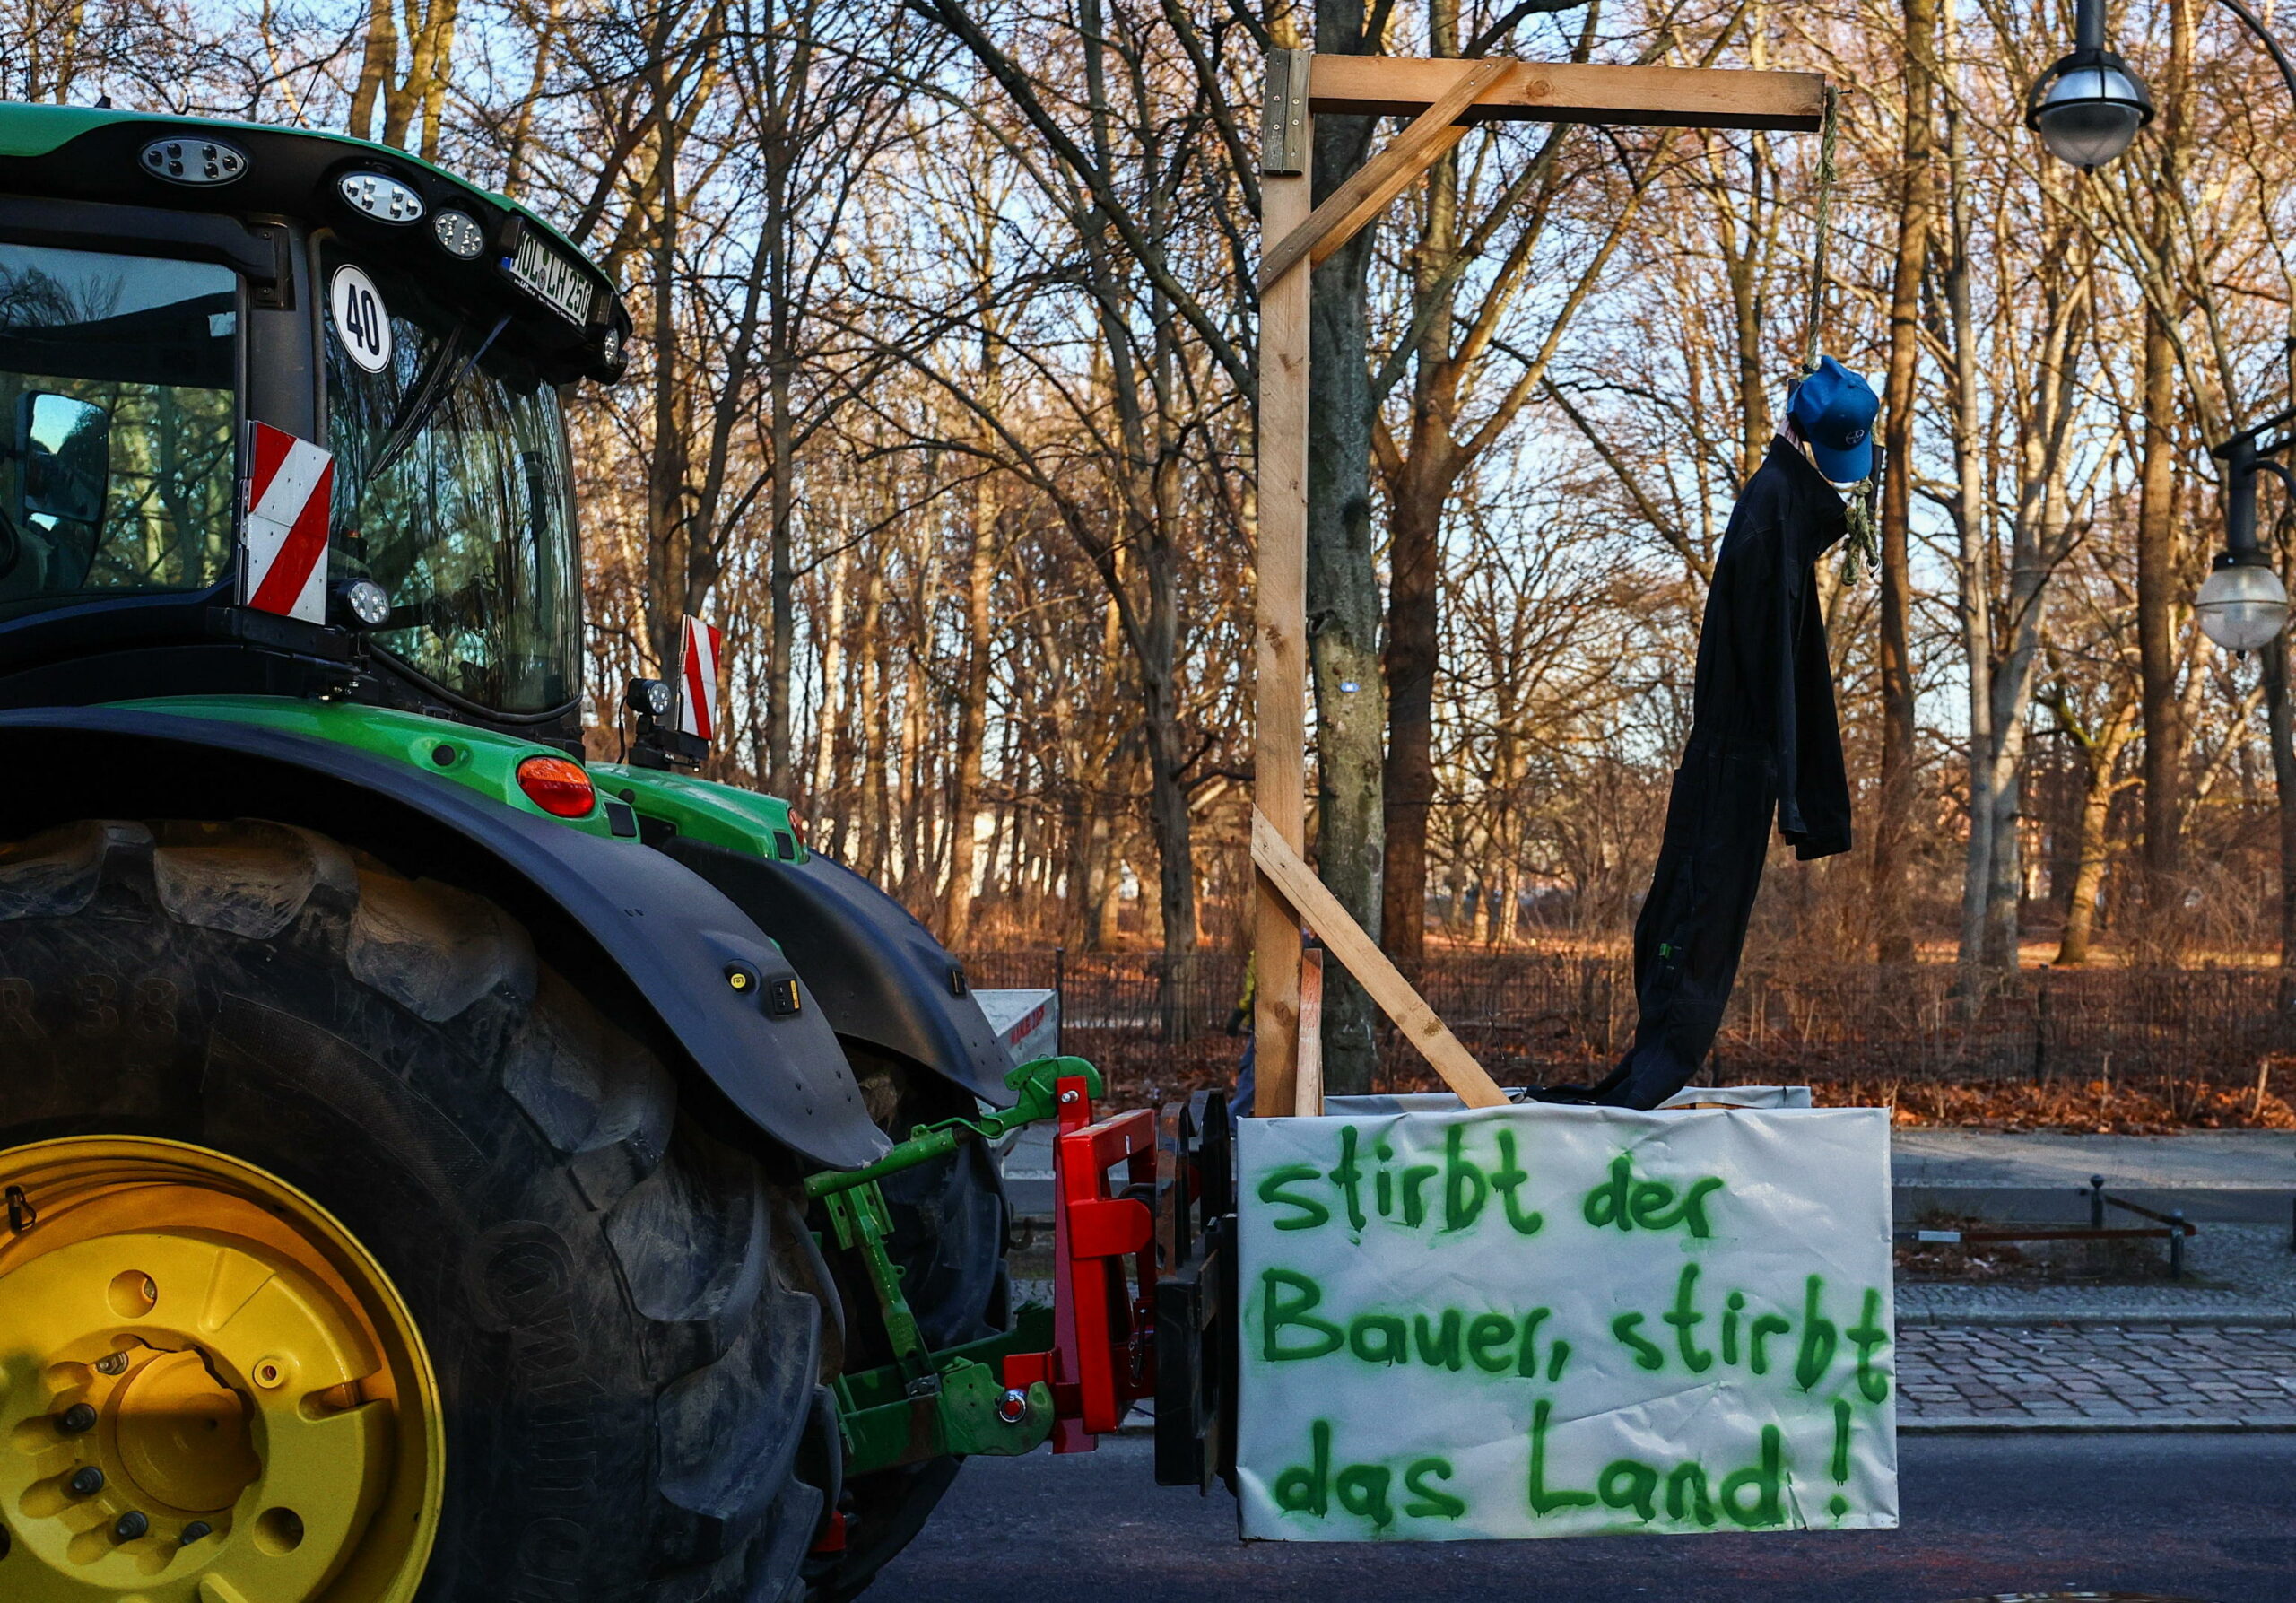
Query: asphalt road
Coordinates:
[2206,1517]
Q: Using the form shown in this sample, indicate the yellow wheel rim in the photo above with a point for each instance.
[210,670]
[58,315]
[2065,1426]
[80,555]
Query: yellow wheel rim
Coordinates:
[209,1391]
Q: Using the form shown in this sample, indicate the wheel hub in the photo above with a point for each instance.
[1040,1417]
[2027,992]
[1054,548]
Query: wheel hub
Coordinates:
[209,1392]
[184,1437]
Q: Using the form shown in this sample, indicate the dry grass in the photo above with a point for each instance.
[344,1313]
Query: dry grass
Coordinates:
[1143,1073]
[2096,1107]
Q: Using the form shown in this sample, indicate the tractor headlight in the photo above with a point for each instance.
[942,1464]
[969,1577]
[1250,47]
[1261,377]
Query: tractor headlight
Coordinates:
[653,697]
[458,234]
[381,196]
[364,602]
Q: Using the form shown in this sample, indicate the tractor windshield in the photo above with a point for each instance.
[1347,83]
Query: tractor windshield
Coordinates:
[451,489]
[118,418]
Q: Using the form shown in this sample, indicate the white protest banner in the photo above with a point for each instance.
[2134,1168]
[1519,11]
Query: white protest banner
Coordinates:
[1550,1321]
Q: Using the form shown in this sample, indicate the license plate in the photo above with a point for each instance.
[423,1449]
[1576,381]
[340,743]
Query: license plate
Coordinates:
[551,279]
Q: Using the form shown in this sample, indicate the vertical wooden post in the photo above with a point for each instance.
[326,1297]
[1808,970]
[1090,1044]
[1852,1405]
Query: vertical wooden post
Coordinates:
[1309,1099]
[1279,772]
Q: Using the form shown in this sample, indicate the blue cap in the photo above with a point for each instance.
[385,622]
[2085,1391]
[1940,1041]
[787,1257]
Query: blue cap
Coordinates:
[1834,409]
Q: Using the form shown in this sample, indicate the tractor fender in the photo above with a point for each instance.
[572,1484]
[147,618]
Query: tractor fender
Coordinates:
[608,913]
[881,976]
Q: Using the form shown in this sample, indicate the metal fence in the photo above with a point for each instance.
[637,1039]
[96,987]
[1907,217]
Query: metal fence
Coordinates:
[1537,1017]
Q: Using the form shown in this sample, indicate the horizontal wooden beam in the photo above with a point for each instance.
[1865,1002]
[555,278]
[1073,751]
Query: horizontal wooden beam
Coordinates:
[1666,97]
[1280,866]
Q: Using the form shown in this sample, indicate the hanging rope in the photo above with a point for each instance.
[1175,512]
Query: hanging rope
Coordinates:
[1829,132]
[1861,545]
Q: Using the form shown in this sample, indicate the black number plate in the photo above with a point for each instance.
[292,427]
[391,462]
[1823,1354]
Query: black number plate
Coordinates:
[551,279]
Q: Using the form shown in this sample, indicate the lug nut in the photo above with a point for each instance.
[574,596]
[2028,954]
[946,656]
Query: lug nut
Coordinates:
[132,1525]
[112,1364]
[1013,1407]
[87,1482]
[77,1420]
[199,1531]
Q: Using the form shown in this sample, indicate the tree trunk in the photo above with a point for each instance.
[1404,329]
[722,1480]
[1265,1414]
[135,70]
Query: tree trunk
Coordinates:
[438,63]
[972,718]
[669,531]
[1975,550]
[2100,757]
[1893,825]
[1415,579]
[779,153]
[1415,498]
[375,66]
[1342,581]
[830,636]
[2159,573]
[1104,887]
[2004,891]
[869,727]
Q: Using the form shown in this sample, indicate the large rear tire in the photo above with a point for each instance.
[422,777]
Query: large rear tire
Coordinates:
[624,1310]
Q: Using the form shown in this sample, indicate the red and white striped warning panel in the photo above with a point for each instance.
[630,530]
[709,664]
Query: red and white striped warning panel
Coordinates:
[698,679]
[290,489]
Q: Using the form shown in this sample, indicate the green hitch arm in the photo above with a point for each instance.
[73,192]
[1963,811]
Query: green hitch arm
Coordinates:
[927,1404]
[1034,1086]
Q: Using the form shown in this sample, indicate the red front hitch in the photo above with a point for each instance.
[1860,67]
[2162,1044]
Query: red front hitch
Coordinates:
[1103,1355]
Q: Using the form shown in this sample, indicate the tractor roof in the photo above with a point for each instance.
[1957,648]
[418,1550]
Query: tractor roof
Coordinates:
[55,157]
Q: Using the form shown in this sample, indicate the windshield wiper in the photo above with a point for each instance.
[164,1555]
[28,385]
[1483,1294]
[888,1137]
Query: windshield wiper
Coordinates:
[431,392]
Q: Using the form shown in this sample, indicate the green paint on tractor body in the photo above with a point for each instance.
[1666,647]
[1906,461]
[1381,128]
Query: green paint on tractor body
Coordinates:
[474,758]
[487,762]
[717,815]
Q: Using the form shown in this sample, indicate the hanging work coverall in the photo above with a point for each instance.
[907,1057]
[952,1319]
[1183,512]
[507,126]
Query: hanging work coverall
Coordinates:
[1763,744]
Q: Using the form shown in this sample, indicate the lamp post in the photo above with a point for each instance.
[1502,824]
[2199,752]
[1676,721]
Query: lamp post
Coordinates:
[2242,605]
[2087,109]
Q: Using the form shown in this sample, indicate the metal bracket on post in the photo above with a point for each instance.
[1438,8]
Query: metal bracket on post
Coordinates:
[1283,114]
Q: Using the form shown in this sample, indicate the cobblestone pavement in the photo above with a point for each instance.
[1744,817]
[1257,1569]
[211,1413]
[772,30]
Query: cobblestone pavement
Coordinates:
[2180,1376]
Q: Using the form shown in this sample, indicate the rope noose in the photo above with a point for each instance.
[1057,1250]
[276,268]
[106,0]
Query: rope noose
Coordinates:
[1861,546]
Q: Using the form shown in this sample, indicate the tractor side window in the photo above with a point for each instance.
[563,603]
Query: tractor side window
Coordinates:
[451,489]
[119,418]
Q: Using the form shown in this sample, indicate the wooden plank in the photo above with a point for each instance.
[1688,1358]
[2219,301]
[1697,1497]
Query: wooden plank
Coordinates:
[1307,1100]
[1280,728]
[1669,97]
[1359,955]
[1367,192]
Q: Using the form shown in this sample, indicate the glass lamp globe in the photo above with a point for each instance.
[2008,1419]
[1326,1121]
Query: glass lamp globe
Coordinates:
[2087,114]
[2241,607]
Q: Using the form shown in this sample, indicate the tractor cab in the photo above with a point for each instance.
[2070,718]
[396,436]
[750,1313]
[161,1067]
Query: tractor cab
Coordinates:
[167,289]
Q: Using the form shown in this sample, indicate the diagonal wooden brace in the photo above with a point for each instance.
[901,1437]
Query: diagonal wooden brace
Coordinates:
[1359,955]
[1385,176]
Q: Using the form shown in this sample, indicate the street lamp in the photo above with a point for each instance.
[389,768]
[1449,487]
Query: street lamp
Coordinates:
[2089,105]
[2087,109]
[2242,605]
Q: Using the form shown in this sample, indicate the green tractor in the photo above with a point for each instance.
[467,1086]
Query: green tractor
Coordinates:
[437,1165]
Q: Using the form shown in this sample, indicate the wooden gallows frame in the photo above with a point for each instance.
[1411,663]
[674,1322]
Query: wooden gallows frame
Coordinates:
[1443,98]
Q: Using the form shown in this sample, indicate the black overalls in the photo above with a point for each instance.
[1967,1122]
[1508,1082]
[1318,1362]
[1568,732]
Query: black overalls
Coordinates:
[1763,743]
